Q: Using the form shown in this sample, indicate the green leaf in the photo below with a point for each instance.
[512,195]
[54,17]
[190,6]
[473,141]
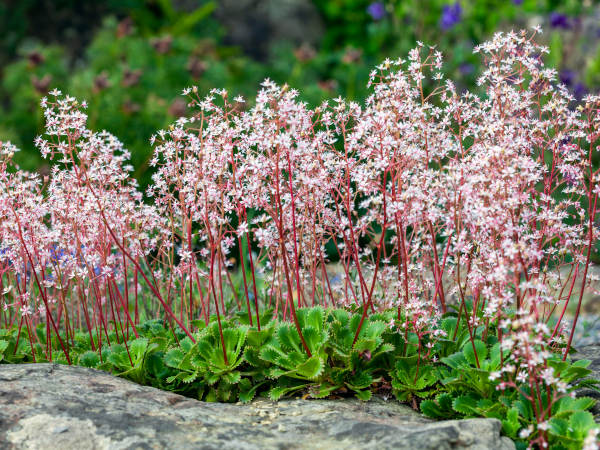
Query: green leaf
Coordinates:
[431,409]
[277,392]
[511,424]
[469,352]
[89,359]
[288,337]
[583,363]
[189,377]
[466,405]
[271,354]
[559,427]
[3,347]
[232,377]
[248,390]
[581,422]
[155,365]
[360,380]
[568,405]
[315,317]
[311,369]
[323,390]
[364,396]
[174,357]
[313,338]
[138,348]
[455,361]
[186,344]
[256,338]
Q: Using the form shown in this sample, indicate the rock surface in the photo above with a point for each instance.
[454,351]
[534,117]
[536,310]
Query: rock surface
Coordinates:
[591,352]
[46,406]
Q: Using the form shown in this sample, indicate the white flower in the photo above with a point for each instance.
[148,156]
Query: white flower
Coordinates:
[494,376]
[242,228]
[525,432]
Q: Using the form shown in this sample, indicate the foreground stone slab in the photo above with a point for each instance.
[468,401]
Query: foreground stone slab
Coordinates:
[46,406]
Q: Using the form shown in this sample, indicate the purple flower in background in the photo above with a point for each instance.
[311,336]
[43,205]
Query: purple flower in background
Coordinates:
[451,15]
[558,20]
[376,10]
[579,90]
[567,77]
[466,69]
[517,2]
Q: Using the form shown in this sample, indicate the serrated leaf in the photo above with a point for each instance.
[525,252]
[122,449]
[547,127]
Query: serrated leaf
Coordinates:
[364,344]
[431,409]
[444,400]
[211,378]
[476,346]
[189,377]
[465,405]
[581,422]
[3,347]
[315,317]
[174,357]
[385,348]
[584,363]
[89,359]
[247,391]
[288,337]
[360,380]
[364,396]
[137,348]
[375,329]
[511,424]
[311,369]
[277,392]
[179,377]
[186,344]
[313,338]
[455,361]
[567,405]
[232,377]
[256,338]
[559,427]
[323,390]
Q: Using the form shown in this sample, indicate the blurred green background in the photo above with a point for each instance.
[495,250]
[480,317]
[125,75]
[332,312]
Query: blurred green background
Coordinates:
[130,59]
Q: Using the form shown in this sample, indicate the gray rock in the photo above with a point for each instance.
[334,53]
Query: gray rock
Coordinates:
[591,352]
[46,406]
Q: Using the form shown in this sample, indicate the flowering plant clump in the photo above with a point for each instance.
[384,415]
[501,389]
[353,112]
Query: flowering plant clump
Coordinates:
[427,243]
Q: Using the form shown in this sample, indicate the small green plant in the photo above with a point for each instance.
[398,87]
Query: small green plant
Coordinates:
[412,379]
[292,367]
[214,368]
[130,359]
[357,354]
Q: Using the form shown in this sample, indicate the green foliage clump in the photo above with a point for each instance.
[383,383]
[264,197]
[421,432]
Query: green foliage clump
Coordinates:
[453,380]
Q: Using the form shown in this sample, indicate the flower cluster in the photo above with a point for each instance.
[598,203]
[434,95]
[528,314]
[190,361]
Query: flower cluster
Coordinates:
[423,198]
